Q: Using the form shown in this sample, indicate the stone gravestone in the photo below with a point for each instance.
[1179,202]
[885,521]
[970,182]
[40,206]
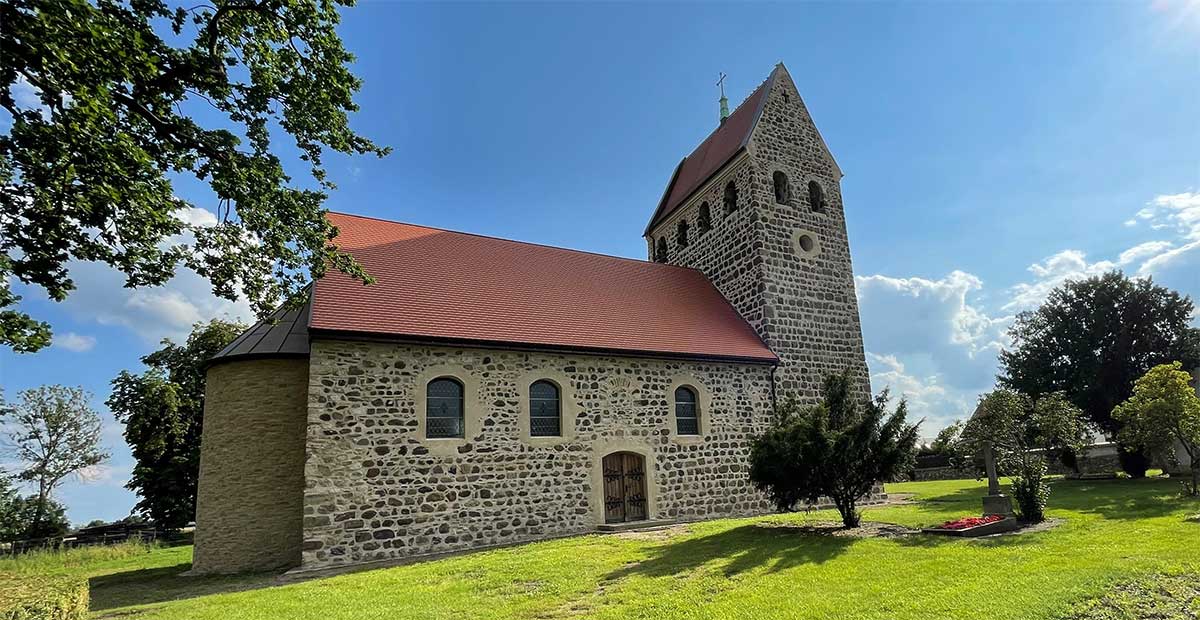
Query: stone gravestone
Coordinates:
[995,502]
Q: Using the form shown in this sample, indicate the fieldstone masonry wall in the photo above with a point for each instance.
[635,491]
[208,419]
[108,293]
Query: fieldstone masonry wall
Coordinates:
[811,306]
[376,489]
[248,505]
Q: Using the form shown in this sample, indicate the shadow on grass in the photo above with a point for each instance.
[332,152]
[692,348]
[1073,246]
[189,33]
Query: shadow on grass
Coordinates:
[741,549]
[161,585]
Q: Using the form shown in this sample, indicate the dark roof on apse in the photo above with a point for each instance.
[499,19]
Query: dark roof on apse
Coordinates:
[283,334]
[725,142]
[436,285]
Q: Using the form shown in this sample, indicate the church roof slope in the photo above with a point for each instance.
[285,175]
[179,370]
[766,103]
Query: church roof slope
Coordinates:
[449,287]
[713,153]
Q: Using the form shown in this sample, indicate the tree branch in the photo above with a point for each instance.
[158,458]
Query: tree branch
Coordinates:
[213,27]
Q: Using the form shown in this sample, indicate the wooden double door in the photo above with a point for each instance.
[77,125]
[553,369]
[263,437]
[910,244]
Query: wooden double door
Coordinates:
[624,487]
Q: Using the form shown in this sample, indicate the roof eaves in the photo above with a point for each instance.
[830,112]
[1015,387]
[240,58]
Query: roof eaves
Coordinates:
[699,189]
[321,332]
[662,202]
[275,336]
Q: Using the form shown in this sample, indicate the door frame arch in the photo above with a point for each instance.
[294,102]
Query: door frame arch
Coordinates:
[603,449]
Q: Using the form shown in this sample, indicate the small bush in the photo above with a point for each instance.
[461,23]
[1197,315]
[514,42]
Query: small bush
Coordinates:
[1031,492]
[43,598]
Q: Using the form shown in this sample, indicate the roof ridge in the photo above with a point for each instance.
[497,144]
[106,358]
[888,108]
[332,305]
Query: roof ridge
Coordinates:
[532,243]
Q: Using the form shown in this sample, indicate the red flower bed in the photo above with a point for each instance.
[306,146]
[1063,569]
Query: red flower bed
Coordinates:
[968,522]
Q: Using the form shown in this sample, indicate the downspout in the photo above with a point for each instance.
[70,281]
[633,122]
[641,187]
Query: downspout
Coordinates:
[774,406]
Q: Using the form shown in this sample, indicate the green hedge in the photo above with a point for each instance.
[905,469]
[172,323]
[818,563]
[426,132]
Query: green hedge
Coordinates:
[29,597]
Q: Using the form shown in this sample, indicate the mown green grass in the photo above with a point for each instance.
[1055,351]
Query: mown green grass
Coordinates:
[1114,532]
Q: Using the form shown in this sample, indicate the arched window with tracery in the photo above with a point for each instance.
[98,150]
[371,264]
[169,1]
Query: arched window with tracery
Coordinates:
[444,409]
[545,410]
[687,416]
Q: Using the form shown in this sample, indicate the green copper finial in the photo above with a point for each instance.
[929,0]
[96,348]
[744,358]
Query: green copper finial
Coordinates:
[724,101]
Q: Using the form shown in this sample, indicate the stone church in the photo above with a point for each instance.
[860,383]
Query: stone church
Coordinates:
[485,392]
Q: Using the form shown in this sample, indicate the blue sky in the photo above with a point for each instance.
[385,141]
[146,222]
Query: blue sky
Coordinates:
[991,151]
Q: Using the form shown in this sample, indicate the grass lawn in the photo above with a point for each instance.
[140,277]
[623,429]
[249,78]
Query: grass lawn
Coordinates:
[1125,545]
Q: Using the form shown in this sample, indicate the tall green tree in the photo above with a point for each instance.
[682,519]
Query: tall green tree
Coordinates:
[839,449]
[52,433]
[133,93]
[1024,432]
[163,411]
[1093,338]
[1164,412]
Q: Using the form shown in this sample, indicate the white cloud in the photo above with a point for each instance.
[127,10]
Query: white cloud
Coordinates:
[940,308]
[931,341]
[74,342]
[1052,272]
[195,216]
[1162,259]
[1181,211]
[1168,259]
[936,341]
[26,96]
[927,397]
[168,311]
[154,313]
[1143,250]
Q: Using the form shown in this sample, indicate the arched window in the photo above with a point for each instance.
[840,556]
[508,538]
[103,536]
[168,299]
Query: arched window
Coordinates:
[731,204]
[687,418]
[704,221]
[783,193]
[681,238]
[545,418]
[660,252]
[443,409]
[816,197]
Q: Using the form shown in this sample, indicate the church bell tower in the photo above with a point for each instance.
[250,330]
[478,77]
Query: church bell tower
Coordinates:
[757,207]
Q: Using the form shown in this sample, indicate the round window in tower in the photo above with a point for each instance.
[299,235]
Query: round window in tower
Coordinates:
[806,243]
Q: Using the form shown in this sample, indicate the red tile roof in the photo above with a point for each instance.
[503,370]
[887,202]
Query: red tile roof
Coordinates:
[443,286]
[716,150]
